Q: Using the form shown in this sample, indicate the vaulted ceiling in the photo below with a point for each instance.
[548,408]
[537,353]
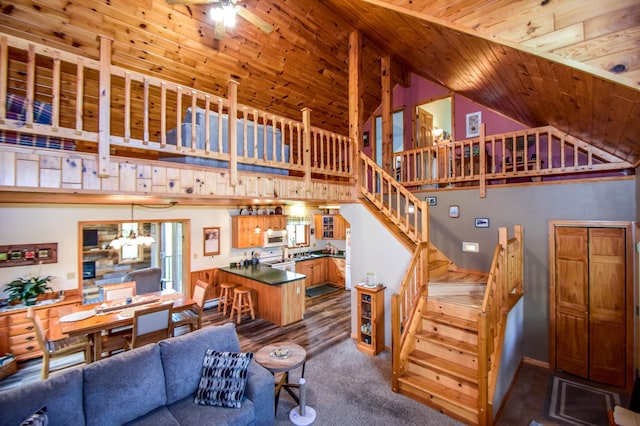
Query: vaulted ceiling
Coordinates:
[574,64]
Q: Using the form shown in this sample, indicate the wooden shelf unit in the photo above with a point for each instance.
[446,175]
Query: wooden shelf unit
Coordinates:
[370,319]
[330,227]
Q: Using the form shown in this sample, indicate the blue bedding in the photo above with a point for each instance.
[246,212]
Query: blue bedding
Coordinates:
[185,128]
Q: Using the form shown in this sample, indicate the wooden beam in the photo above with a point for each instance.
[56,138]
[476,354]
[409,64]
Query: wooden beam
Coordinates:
[306,148]
[355,98]
[233,131]
[387,103]
[104,122]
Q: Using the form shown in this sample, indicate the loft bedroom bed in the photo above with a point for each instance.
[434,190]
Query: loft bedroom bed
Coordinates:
[60,101]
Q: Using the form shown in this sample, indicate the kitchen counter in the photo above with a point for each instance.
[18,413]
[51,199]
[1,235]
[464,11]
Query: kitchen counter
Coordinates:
[264,274]
[318,255]
[278,296]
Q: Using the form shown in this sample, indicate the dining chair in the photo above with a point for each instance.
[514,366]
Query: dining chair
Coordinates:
[118,291]
[116,339]
[150,325]
[191,317]
[57,348]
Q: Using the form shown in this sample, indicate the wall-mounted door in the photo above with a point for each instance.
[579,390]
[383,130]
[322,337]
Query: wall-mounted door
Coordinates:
[591,301]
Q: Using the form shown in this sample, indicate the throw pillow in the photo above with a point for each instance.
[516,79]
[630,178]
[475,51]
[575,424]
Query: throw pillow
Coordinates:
[223,379]
[39,418]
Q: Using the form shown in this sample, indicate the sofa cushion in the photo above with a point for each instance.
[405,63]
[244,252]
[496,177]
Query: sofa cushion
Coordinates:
[158,417]
[63,408]
[182,357]
[124,387]
[190,413]
[224,378]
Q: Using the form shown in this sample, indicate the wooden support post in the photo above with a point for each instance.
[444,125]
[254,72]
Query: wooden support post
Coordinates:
[306,149]
[145,117]
[104,107]
[55,93]
[79,96]
[355,103]
[4,75]
[483,368]
[387,123]
[233,132]
[163,114]
[31,82]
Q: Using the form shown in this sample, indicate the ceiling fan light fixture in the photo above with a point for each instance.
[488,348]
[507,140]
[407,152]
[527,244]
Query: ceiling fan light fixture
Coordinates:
[225,11]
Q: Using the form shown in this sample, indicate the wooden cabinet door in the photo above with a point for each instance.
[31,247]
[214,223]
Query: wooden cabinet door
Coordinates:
[572,298]
[243,231]
[339,228]
[607,333]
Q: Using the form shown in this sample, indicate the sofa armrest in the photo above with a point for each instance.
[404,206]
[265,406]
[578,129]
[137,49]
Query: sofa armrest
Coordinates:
[260,390]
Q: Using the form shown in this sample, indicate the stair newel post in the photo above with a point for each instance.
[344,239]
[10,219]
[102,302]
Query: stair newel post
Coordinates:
[395,341]
[503,240]
[483,369]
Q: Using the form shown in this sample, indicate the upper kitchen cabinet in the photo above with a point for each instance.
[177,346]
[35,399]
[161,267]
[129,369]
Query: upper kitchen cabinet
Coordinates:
[249,231]
[330,227]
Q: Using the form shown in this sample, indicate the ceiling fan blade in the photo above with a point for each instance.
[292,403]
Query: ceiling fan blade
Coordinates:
[255,20]
[218,30]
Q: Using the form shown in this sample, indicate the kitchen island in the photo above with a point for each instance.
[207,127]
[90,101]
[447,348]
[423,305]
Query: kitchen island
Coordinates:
[278,296]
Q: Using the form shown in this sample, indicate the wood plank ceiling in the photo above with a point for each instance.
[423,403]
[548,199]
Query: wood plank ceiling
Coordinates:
[539,62]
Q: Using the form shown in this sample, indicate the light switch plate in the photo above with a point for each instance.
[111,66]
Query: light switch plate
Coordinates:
[473,247]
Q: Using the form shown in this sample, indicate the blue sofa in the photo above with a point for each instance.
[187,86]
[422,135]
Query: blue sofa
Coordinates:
[151,385]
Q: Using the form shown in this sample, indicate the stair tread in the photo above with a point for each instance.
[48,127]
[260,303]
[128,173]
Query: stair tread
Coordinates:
[440,391]
[444,365]
[451,320]
[472,299]
[448,342]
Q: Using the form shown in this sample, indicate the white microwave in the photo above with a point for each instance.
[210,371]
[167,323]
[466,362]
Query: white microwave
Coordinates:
[275,238]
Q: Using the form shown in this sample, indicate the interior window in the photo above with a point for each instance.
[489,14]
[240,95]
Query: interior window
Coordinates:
[298,235]
[398,134]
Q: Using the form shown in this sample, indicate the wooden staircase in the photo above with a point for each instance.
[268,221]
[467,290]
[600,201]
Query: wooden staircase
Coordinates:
[442,369]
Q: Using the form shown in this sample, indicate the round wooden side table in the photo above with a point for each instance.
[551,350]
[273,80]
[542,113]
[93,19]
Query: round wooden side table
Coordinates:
[282,357]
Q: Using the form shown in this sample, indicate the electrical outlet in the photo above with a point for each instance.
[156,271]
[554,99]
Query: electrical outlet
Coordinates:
[195,255]
[472,247]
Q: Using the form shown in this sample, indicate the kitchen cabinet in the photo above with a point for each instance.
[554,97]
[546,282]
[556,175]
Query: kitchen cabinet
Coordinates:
[243,233]
[370,319]
[330,227]
[336,271]
[315,271]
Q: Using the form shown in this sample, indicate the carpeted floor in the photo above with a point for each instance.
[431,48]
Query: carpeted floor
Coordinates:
[320,290]
[570,402]
[347,387]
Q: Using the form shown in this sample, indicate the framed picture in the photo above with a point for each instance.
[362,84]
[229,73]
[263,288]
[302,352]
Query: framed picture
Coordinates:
[482,222]
[365,139]
[43,254]
[454,211]
[431,201]
[29,254]
[473,124]
[4,256]
[211,241]
[15,255]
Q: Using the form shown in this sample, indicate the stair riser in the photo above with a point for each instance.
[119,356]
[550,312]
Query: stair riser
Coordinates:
[438,270]
[444,379]
[450,331]
[455,289]
[453,355]
[452,309]
[443,406]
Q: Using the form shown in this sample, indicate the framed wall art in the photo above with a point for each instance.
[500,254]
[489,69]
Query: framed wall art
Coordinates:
[28,254]
[482,222]
[473,124]
[431,201]
[211,241]
[454,211]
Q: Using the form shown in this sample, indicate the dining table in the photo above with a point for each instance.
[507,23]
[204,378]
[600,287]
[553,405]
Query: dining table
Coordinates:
[94,319]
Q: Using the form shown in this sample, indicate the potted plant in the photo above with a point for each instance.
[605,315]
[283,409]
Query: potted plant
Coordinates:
[28,289]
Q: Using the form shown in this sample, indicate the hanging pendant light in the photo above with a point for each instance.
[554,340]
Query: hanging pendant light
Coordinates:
[132,239]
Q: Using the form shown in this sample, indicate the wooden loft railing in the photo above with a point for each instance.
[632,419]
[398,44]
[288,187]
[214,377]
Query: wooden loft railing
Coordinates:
[535,153]
[103,107]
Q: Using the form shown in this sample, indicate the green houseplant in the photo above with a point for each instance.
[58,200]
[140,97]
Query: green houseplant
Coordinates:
[28,289]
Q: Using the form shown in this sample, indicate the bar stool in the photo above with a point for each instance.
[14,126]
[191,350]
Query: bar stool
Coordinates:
[242,303]
[226,297]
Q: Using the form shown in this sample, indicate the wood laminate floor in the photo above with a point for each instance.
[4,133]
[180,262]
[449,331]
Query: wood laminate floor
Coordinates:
[327,321]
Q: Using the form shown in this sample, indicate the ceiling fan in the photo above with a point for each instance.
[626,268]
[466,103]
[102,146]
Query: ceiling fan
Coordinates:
[224,12]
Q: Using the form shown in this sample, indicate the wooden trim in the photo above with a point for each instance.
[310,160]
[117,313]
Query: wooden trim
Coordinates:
[536,362]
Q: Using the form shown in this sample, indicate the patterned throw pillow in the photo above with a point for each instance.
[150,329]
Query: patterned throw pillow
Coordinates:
[39,418]
[223,379]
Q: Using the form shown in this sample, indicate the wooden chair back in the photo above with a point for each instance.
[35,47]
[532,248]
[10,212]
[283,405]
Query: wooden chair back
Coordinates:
[199,293]
[151,324]
[119,291]
[41,335]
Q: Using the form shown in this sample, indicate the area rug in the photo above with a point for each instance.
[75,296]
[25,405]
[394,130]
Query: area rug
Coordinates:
[320,290]
[574,403]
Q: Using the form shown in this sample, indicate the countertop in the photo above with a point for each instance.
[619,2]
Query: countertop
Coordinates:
[318,255]
[264,274]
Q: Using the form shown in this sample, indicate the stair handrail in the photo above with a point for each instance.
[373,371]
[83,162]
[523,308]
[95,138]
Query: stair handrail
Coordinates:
[404,305]
[504,289]
[392,199]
